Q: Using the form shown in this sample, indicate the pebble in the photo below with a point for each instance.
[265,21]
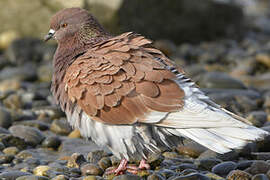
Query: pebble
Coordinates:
[224,168]
[214,176]
[207,163]
[61,127]
[34,123]
[259,167]
[6,158]
[32,178]
[92,178]
[155,159]
[192,176]
[95,156]
[260,177]
[60,177]
[127,177]
[91,169]
[155,176]
[12,175]
[29,134]
[76,160]
[257,118]
[41,170]
[51,142]
[75,134]
[238,174]
[11,150]
[5,118]
[105,163]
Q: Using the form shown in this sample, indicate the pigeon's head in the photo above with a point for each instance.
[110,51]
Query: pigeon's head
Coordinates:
[71,23]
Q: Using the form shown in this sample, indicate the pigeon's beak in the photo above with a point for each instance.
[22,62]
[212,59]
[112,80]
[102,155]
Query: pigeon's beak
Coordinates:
[49,35]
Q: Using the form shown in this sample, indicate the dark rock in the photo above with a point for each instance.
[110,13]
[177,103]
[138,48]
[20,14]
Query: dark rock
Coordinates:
[259,167]
[207,163]
[6,158]
[187,172]
[260,177]
[262,155]
[155,176]
[220,81]
[60,177]
[91,169]
[12,175]
[105,163]
[244,164]
[224,168]
[257,118]
[61,127]
[2,146]
[155,159]
[194,17]
[24,50]
[10,140]
[167,173]
[50,111]
[13,101]
[29,134]
[237,174]
[192,176]
[32,178]
[26,72]
[76,160]
[4,131]
[95,156]
[127,177]
[51,142]
[5,118]
[183,166]
[191,149]
[34,123]
[232,155]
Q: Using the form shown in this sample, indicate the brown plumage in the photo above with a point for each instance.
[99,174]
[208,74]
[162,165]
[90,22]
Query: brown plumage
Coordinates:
[124,93]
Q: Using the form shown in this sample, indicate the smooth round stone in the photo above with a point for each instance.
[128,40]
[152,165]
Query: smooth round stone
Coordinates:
[32,178]
[13,101]
[166,173]
[171,155]
[244,164]
[51,142]
[6,158]
[91,169]
[259,167]
[213,176]
[260,177]
[41,170]
[61,127]
[224,168]
[5,118]
[232,155]
[155,176]
[12,175]
[237,174]
[95,156]
[75,134]
[50,111]
[76,160]
[207,163]
[24,154]
[183,166]
[191,149]
[29,134]
[127,177]
[192,176]
[257,118]
[60,177]
[2,146]
[92,178]
[11,150]
[155,159]
[105,163]
[34,123]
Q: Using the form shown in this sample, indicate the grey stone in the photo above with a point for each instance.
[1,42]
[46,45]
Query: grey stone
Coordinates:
[257,118]
[61,127]
[12,175]
[127,177]
[259,167]
[29,134]
[192,176]
[260,177]
[5,118]
[224,168]
[51,142]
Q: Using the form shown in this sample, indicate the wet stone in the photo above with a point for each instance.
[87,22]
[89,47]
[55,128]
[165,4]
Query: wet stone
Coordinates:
[41,170]
[6,158]
[61,127]
[191,149]
[155,159]
[105,163]
[5,118]
[260,177]
[92,178]
[127,177]
[257,118]
[167,173]
[259,167]
[207,163]
[244,164]
[238,174]
[76,160]
[11,150]
[224,168]
[32,178]
[12,175]
[214,176]
[34,123]
[51,142]
[60,177]
[29,134]
[95,156]
[192,176]
[155,176]
[91,169]
[183,166]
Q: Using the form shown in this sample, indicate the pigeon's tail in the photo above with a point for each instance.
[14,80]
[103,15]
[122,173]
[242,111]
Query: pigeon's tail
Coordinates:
[211,127]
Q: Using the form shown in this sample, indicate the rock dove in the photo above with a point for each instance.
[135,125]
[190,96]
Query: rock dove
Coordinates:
[125,94]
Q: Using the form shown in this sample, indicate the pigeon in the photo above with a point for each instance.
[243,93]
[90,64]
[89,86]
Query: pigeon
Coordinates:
[124,94]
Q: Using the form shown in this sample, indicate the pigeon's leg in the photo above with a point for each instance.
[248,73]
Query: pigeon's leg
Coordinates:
[120,169]
[134,169]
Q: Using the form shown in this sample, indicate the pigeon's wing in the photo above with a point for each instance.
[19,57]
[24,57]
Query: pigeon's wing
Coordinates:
[122,81]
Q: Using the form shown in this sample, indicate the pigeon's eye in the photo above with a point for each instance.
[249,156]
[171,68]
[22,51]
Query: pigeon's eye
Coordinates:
[64,25]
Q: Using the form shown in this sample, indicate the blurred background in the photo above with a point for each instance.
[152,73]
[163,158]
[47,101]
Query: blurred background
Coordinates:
[223,46]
